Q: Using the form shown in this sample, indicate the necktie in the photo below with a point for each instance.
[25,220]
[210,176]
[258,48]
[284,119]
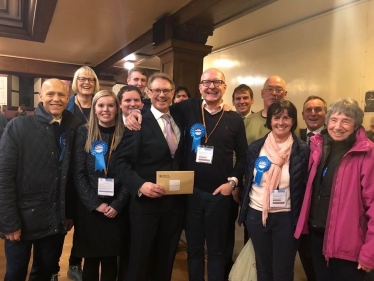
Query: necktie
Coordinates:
[170,135]
[310,134]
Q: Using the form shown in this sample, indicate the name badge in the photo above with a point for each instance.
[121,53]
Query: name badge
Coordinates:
[105,187]
[278,198]
[204,154]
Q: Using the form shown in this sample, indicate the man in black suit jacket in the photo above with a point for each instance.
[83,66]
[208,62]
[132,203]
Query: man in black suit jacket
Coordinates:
[156,219]
[314,114]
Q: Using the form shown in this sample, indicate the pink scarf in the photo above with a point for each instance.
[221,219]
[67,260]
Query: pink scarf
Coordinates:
[277,158]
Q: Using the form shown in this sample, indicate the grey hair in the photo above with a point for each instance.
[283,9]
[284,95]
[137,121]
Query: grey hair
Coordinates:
[349,107]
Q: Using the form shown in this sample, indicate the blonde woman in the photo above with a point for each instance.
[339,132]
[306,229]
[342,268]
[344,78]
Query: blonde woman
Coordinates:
[85,84]
[99,225]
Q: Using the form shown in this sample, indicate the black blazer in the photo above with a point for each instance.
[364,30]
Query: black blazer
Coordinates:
[303,134]
[139,155]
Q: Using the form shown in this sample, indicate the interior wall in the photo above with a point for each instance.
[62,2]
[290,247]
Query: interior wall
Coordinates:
[330,54]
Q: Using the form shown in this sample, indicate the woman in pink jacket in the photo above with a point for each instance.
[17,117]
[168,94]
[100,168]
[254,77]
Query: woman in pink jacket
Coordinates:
[338,207]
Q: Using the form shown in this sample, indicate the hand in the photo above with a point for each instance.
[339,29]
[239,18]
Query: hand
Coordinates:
[225,189]
[134,120]
[102,207]
[226,107]
[363,268]
[69,224]
[237,194]
[151,190]
[110,212]
[14,236]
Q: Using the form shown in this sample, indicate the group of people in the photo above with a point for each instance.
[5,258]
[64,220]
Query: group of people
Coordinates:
[90,160]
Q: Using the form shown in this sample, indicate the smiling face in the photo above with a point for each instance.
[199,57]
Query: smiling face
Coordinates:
[54,97]
[86,83]
[281,125]
[212,94]
[106,110]
[340,126]
[130,100]
[274,89]
[137,79]
[314,114]
[161,101]
[242,102]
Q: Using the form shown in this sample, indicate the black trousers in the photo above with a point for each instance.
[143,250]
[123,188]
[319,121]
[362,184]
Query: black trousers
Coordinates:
[207,221]
[108,269]
[337,269]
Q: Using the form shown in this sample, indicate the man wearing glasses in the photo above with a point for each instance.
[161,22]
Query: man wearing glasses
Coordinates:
[156,219]
[274,89]
[212,135]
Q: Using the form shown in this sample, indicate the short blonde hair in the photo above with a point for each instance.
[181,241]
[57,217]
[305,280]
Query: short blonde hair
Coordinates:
[85,70]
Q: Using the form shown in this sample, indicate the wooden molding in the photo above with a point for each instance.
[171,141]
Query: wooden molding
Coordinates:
[35,68]
[26,19]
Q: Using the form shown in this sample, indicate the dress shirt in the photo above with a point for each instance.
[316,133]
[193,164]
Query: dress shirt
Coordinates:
[162,122]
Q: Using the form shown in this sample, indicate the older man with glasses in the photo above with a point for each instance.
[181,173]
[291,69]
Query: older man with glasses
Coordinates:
[212,136]
[274,89]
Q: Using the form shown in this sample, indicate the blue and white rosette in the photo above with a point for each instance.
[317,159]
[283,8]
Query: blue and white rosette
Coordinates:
[99,149]
[262,164]
[197,132]
[63,146]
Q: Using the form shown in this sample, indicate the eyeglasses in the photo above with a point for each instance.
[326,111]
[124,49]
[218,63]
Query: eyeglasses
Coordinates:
[272,89]
[89,80]
[216,83]
[159,91]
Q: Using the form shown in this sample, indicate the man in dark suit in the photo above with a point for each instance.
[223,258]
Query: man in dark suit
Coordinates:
[156,219]
[314,114]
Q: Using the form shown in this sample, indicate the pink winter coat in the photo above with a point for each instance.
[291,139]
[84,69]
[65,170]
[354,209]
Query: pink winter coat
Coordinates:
[349,231]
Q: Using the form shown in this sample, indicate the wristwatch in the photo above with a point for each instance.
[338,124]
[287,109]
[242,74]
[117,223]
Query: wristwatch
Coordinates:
[232,183]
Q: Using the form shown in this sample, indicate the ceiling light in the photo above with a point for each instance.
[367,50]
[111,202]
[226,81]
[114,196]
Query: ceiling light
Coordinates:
[128,65]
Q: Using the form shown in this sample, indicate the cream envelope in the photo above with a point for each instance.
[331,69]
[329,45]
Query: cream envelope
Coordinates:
[176,182]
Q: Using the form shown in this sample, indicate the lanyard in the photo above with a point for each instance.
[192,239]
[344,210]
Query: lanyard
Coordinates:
[81,110]
[110,152]
[206,134]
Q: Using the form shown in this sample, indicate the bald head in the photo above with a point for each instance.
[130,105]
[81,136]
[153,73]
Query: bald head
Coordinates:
[54,96]
[212,86]
[274,89]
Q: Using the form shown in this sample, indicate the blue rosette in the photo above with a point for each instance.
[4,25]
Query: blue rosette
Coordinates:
[262,164]
[63,146]
[197,132]
[99,149]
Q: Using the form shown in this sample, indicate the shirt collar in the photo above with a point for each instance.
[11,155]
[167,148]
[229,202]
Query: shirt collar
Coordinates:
[214,110]
[158,114]
[55,120]
[318,131]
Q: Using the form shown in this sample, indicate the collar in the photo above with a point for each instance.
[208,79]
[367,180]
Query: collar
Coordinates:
[55,120]
[318,131]
[214,110]
[158,114]
[124,119]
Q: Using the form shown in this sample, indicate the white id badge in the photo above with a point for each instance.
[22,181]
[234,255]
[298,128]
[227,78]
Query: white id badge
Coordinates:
[204,154]
[105,187]
[278,198]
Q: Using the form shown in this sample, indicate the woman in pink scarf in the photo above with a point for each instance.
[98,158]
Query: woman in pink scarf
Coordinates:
[276,171]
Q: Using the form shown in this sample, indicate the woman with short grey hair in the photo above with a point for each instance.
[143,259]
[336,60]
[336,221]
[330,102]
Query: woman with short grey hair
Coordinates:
[338,207]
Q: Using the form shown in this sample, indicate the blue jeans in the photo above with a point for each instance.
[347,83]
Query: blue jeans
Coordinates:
[46,255]
[207,220]
[275,246]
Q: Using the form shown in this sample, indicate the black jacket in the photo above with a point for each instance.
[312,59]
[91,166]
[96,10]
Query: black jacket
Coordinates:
[34,185]
[298,175]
